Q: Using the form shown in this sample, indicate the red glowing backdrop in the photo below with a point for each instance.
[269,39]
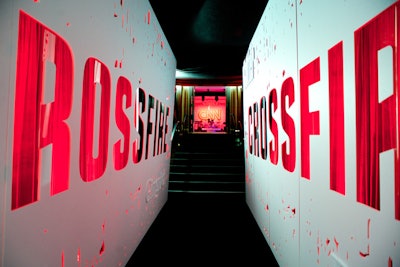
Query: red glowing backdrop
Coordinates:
[209,114]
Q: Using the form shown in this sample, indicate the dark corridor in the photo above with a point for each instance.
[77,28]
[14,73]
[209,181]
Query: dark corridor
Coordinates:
[207,224]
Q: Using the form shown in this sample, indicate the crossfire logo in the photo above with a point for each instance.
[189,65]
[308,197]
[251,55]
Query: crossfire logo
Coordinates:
[377,123]
[38,124]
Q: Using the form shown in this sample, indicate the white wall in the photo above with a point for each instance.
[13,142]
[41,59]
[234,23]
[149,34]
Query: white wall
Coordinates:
[100,212]
[306,220]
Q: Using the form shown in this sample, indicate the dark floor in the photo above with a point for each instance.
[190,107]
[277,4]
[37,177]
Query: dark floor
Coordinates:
[204,229]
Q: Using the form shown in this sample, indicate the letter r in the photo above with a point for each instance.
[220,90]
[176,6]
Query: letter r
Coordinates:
[38,124]
[377,122]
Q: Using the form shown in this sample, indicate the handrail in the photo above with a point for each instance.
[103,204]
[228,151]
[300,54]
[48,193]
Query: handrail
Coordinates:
[174,129]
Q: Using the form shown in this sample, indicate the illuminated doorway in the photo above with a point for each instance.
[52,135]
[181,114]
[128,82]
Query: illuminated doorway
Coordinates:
[208,109]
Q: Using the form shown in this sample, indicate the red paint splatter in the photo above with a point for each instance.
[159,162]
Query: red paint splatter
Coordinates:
[283,73]
[327,241]
[45,231]
[267,207]
[68,24]
[336,243]
[365,254]
[62,259]
[115,15]
[362,254]
[122,2]
[116,63]
[103,226]
[36,1]
[390,262]
[78,255]
[102,248]
[148,17]
[162,44]
[294,211]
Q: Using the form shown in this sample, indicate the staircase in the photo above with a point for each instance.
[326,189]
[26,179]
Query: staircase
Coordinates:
[207,163]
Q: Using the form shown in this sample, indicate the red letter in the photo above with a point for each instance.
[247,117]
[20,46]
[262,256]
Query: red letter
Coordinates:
[124,88]
[156,125]
[250,136]
[336,119]
[91,167]
[149,124]
[160,133]
[273,144]
[166,128]
[38,124]
[255,130]
[377,123]
[263,127]
[139,125]
[288,159]
[309,121]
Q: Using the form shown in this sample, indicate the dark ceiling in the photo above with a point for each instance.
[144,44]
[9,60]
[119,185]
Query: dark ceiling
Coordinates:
[209,38]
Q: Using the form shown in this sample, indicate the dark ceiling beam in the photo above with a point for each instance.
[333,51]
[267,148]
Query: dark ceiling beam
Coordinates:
[217,81]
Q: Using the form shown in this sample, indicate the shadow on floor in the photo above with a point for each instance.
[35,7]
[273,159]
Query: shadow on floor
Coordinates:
[204,229]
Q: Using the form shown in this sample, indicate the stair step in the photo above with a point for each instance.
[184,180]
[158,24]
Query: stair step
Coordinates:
[206,169]
[207,163]
[206,186]
[204,192]
[223,177]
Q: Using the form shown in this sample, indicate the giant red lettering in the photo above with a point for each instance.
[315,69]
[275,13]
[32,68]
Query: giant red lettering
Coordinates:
[121,147]
[95,73]
[377,122]
[309,121]
[38,124]
[288,158]
[273,144]
[336,119]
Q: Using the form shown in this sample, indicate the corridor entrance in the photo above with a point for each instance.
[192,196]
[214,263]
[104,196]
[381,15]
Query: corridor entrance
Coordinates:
[208,109]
